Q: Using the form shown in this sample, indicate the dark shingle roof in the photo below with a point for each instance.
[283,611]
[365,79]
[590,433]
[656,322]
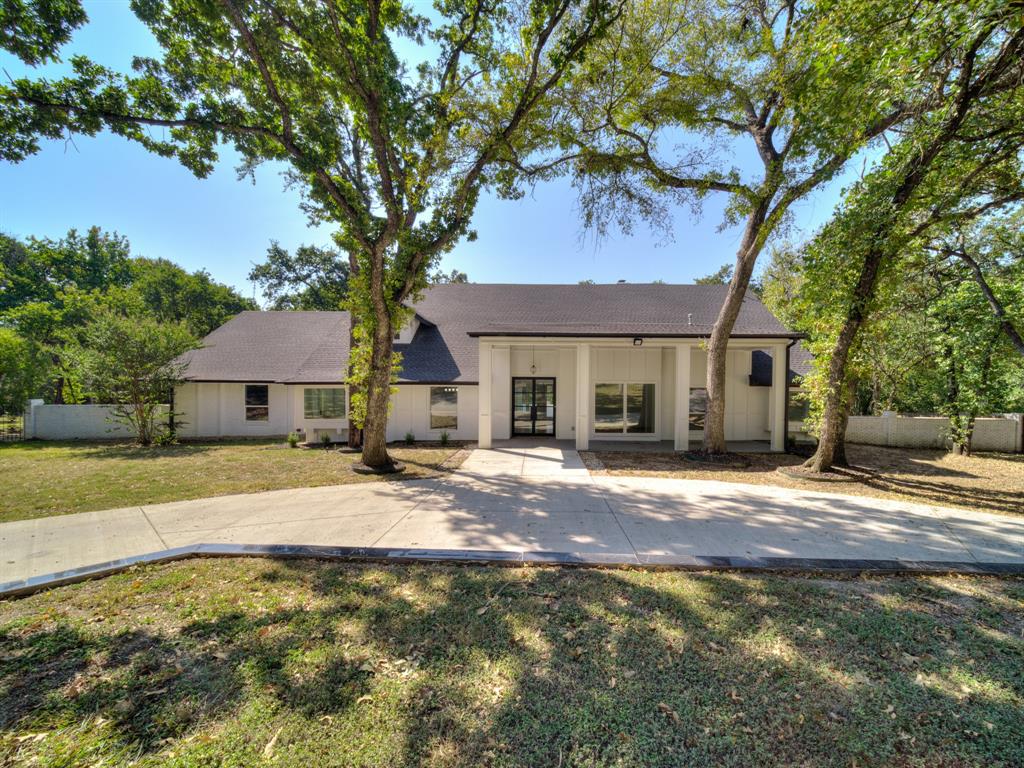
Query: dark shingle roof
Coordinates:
[761,366]
[312,347]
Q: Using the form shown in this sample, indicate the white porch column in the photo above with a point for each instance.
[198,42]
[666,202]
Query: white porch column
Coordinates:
[778,397]
[582,396]
[682,425]
[484,415]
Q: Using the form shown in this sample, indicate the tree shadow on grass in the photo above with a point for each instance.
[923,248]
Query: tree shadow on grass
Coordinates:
[430,666]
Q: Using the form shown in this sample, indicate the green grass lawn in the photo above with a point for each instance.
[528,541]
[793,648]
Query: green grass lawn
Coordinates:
[39,478]
[300,663]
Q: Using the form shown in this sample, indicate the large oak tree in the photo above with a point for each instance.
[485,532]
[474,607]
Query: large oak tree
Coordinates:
[394,153]
[666,104]
[958,159]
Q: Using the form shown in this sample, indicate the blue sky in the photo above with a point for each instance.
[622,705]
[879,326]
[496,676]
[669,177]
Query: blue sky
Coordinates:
[224,225]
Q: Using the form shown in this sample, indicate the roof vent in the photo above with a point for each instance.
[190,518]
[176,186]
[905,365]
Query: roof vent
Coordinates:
[689,318]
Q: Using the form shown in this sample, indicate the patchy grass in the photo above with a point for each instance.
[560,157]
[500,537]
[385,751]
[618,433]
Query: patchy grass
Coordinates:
[299,663]
[41,479]
[990,482]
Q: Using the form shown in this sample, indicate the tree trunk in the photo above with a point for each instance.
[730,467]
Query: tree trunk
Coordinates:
[718,344]
[355,434]
[993,301]
[835,415]
[378,383]
[378,394]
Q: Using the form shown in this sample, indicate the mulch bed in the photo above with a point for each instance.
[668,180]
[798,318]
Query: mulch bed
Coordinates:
[730,460]
[848,474]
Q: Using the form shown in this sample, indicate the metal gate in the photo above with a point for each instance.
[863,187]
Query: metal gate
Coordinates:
[12,428]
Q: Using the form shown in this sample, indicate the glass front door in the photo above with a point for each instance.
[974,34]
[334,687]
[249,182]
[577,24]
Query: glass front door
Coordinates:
[533,406]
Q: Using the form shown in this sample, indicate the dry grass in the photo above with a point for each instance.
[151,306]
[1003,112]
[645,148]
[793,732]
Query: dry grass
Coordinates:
[42,479]
[298,663]
[990,482]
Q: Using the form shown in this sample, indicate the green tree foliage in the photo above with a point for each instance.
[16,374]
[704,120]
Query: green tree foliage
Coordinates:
[778,284]
[312,279]
[23,371]
[131,362]
[722,276]
[169,293]
[51,288]
[955,161]
[395,157]
[666,103]
[440,277]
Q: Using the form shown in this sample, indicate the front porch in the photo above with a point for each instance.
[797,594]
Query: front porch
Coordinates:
[646,394]
[626,446]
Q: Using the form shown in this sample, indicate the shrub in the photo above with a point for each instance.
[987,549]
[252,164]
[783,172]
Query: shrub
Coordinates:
[410,438]
[325,438]
[293,439]
[444,437]
[165,438]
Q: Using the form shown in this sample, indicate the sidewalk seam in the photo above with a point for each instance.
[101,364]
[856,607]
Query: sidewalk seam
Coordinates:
[944,524]
[153,527]
[411,510]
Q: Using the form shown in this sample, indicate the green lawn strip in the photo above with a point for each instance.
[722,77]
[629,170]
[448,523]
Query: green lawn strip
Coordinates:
[43,479]
[245,662]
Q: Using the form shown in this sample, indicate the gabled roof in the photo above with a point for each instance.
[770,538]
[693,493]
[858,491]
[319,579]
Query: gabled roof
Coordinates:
[312,347]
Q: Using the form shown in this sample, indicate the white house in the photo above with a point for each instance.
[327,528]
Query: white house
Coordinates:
[621,362]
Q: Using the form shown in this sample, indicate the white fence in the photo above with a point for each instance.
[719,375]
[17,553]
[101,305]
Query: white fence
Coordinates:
[1005,434]
[74,422]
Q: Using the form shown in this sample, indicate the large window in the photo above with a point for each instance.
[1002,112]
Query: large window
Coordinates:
[324,403]
[257,402]
[444,408]
[698,408]
[799,408]
[624,409]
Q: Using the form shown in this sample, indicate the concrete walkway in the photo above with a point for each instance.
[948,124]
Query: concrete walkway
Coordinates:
[529,498]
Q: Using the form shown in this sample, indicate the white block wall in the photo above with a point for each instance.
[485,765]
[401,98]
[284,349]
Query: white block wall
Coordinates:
[76,422]
[990,434]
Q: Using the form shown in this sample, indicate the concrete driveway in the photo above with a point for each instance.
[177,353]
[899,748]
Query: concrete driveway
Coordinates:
[531,498]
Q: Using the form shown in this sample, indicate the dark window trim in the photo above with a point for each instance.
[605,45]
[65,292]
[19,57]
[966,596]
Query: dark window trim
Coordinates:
[254,409]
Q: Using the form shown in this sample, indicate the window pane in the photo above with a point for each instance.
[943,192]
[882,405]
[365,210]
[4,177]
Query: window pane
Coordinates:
[328,403]
[257,400]
[798,410]
[257,394]
[608,408]
[444,408]
[698,408]
[640,408]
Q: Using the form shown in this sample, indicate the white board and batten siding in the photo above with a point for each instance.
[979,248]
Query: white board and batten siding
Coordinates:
[410,413]
[747,410]
[211,409]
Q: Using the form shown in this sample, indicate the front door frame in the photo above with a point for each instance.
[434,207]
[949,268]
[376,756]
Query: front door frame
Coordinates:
[533,421]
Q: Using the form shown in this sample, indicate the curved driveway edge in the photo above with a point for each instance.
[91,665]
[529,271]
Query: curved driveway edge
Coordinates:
[528,505]
[512,559]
